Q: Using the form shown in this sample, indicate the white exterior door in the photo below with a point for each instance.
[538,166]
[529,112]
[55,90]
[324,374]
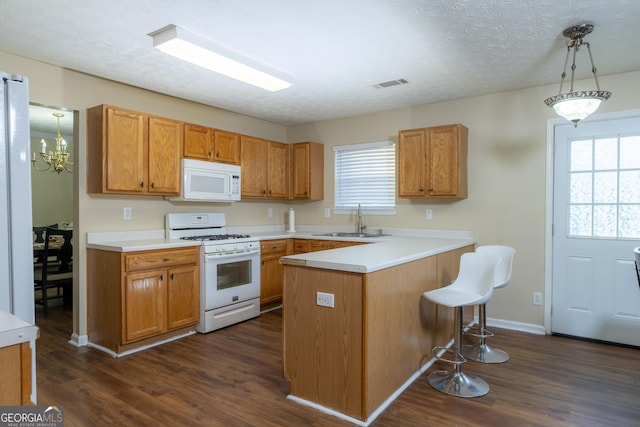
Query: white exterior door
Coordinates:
[596,225]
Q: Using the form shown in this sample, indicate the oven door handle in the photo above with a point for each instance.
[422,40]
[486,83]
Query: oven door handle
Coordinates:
[234,254]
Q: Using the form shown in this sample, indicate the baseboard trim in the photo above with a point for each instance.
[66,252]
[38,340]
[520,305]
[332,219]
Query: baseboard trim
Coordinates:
[516,326]
[79,340]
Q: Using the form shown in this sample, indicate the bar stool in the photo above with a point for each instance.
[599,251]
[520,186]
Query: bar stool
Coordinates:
[473,286]
[481,352]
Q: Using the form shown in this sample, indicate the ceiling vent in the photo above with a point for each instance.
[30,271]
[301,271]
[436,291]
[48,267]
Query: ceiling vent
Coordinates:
[390,83]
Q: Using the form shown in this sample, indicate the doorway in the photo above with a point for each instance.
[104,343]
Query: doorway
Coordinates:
[52,193]
[596,225]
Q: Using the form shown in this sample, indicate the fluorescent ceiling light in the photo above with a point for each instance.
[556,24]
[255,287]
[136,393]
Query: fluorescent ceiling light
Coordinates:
[189,47]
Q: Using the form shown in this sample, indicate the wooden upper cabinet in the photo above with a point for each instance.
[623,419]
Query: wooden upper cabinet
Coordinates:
[432,162]
[198,142]
[209,144]
[253,154]
[277,170]
[226,147]
[307,171]
[132,153]
[265,166]
[165,152]
[125,151]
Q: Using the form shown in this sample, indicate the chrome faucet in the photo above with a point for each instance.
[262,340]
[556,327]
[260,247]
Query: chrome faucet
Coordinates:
[360,227]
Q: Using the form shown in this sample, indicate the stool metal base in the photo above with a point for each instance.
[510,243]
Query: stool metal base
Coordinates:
[458,383]
[484,354]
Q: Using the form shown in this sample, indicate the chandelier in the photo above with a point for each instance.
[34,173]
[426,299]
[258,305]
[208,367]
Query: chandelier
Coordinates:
[575,106]
[57,160]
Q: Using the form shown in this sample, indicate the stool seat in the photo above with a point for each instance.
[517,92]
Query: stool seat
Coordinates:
[480,351]
[473,286]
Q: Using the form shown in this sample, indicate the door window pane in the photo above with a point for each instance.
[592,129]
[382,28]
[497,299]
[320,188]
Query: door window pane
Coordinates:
[629,223]
[630,187]
[581,190]
[580,220]
[581,156]
[606,154]
[604,220]
[604,187]
[630,152]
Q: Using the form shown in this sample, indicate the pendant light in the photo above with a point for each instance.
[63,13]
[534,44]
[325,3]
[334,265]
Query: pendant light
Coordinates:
[576,106]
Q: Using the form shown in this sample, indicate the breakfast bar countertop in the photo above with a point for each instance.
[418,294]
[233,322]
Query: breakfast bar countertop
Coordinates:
[390,251]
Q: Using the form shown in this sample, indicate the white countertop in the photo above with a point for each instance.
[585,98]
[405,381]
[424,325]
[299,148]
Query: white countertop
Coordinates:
[388,252]
[142,245]
[14,330]
[124,241]
[401,246]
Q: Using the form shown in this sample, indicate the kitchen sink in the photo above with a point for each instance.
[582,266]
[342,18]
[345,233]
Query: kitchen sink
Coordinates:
[346,234]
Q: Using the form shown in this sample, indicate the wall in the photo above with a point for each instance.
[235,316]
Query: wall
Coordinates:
[507,169]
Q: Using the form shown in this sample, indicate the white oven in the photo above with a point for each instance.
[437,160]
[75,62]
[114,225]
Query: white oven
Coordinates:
[230,290]
[229,269]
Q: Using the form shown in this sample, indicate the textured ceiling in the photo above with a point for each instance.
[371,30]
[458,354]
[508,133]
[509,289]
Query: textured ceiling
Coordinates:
[337,50]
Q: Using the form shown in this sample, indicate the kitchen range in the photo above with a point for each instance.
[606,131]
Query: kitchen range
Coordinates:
[229,268]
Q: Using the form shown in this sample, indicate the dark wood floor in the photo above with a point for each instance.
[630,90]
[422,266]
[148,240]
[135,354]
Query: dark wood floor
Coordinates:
[233,377]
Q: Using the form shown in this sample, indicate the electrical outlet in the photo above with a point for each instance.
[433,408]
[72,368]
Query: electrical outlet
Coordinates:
[327,212]
[270,212]
[323,299]
[126,214]
[537,298]
[429,214]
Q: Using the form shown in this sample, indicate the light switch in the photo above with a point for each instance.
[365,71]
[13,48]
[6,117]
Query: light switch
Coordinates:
[126,214]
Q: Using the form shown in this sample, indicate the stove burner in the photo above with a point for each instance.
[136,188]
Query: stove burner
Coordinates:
[216,237]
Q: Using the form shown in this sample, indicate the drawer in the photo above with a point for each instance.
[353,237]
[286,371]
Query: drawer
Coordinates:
[300,246]
[320,245]
[164,258]
[273,246]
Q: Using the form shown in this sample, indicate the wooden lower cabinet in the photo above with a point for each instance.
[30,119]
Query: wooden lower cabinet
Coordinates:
[271,271]
[138,298]
[15,375]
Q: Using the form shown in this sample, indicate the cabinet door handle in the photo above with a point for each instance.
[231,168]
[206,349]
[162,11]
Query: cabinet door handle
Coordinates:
[217,155]
[153,185]
[142,184]
[171,277]
[208,153]
[264,191]
[162,277]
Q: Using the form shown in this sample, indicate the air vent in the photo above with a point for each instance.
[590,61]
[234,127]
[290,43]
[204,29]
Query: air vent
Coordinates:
[390,83]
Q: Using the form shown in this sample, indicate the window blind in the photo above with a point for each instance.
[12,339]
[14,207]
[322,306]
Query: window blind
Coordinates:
[365,174]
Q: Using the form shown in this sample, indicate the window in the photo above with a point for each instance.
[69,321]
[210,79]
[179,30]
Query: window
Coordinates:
[365,174]
[604,193]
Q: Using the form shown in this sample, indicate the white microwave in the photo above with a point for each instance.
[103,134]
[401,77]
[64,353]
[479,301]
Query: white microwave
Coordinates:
[204,181]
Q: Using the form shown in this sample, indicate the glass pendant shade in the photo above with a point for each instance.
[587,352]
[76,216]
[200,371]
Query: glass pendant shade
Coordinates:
[576,106]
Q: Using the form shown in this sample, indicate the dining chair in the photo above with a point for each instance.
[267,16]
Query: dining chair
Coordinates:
[40,231]
[56,270]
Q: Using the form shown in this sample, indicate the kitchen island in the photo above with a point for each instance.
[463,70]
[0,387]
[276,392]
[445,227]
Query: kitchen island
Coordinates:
[356,328]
